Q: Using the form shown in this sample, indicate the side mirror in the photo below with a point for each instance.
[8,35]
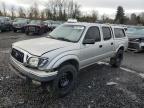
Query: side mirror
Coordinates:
[89,41]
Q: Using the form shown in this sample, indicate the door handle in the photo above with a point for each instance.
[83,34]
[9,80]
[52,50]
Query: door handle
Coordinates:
[112,43]
[100,46]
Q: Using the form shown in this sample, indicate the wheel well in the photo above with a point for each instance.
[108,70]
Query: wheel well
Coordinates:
[72,62]
[121,48]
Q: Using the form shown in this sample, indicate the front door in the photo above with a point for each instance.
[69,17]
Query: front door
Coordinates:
[90,53]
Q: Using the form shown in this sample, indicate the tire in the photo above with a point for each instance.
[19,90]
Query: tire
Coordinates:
[138,50]
[27,33]
[117,60]
[15,31]
[9,29]
[65,81]
[41,31]
[23,30]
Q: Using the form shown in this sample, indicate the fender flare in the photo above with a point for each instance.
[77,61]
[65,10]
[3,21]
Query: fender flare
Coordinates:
[120,47]
[63,59]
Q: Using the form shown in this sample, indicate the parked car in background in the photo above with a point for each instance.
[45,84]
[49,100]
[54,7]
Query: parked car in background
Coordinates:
[48,23]
[53,24]
[19,24]
[36,27]
[136,38]
[5,24]
[57,58]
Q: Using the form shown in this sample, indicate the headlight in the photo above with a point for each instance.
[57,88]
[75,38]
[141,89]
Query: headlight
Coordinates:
[36,62]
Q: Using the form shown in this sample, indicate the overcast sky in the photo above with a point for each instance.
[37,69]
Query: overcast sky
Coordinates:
[102,6]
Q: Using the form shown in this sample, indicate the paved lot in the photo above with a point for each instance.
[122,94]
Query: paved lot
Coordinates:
[99,86]
[134,61]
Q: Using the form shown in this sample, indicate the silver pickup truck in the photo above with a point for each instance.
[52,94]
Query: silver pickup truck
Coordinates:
[71,47]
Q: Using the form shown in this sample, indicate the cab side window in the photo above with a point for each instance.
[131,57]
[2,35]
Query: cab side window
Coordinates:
[119,33]
[93,33]
[106,33]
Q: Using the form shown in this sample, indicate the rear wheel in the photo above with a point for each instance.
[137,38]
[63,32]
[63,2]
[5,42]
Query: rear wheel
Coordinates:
[65,81]
[117,60]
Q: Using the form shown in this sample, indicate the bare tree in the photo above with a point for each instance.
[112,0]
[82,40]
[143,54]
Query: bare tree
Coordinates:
[73,9]
[62,9]
[21,12]
[42,15]
[12,10]
[48,14]
[1,13]
[30,13]
[36,11]
[4,9]
[94,16]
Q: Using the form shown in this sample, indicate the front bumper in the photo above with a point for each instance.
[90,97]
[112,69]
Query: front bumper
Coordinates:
[17,28]
[33,74]
[136,46]
[2,27]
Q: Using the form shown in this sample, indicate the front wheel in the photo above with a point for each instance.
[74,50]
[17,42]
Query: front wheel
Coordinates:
[117,60]
[65,81]
[27,33]
[15,31]
[41,31]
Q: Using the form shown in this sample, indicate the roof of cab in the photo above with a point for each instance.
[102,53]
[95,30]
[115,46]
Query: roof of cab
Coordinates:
[95,24]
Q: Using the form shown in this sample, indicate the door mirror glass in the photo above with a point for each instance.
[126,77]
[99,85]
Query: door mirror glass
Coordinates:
[92,35]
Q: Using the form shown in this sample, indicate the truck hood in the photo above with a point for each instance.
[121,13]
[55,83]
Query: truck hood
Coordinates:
[40,46]
[14,23]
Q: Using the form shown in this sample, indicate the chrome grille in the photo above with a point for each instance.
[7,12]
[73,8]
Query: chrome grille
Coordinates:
[19,56]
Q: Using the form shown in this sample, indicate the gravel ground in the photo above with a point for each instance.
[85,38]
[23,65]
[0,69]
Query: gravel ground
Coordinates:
[99,86]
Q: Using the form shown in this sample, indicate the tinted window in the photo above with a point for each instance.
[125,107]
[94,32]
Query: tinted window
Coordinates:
[93,33]
[119,33]
[106,33]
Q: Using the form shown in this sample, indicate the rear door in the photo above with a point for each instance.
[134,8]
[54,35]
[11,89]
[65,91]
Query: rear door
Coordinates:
[107,41]
[120,37]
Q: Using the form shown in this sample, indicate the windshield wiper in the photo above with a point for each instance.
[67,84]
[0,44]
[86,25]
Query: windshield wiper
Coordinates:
[59,38]
[64,39]
[49,36]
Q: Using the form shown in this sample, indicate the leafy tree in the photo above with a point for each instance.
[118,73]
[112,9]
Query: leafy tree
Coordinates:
[138,19]
[120,18]
[133,19]
[142,18]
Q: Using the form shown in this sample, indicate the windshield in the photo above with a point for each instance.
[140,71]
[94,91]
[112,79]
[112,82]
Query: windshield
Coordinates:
[70,33]
[135,32]
[1,19]
[17,19]
[35,22]
[21,20]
